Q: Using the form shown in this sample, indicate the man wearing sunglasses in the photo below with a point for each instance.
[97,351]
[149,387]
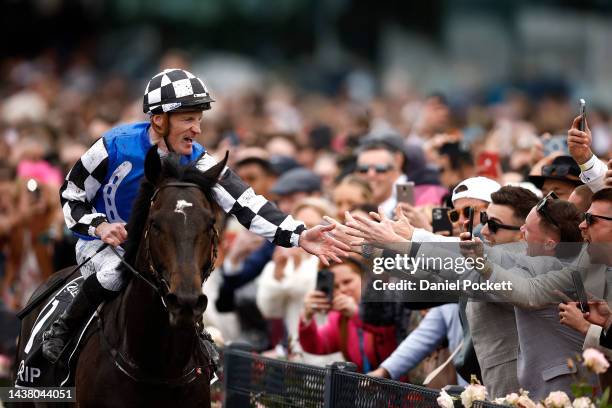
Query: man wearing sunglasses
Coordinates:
[380,167]
[504,217]
[597,232]
[492,325]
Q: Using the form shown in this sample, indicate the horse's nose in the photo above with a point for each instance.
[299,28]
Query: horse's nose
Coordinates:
[187,304]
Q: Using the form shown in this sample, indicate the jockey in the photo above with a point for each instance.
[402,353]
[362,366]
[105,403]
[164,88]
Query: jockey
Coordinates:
[98,192]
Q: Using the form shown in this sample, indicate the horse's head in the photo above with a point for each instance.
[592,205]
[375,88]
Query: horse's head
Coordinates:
[179,241]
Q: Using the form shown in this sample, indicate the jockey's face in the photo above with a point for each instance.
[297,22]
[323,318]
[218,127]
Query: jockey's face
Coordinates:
[184,128]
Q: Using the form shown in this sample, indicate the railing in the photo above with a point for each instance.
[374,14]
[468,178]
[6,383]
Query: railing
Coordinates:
[487,404]
[251,380]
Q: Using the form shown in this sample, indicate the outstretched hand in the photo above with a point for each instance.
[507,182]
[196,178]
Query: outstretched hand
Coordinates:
[376,233]
[342,235]
[318,241]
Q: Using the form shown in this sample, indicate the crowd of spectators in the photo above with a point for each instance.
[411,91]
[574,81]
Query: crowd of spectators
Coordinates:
[325,159]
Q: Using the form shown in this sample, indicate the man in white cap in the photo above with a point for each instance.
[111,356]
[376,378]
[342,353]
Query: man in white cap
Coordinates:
[474,192]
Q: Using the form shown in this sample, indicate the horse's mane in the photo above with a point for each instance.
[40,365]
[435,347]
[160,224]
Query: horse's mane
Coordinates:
[172,170]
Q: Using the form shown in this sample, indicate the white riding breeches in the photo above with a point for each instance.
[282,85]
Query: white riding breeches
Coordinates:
[105,264]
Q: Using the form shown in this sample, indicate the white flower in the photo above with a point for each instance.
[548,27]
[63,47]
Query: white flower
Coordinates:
[521,400]
[583,402]
[525,402]
[445,400]
[473,392]
[500,401]
[595,361]
[512,399]
[557,399]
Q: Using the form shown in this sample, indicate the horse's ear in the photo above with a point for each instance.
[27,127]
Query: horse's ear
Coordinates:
[153,166]
[215,171]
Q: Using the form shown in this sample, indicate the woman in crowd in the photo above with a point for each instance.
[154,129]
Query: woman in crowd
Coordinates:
[350,193]
[365,345]
[291,274]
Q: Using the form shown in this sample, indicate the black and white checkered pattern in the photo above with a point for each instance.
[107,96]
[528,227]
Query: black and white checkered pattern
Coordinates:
[173,89]
[81,186]
[253,211]
[232,194]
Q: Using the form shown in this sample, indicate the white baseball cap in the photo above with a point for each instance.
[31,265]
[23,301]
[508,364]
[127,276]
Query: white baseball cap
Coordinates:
[479,188]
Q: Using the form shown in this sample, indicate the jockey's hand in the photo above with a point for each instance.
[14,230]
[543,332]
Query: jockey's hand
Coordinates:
[114,234]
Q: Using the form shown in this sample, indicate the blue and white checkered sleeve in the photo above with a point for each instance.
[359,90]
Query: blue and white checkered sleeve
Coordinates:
[81,186]
[253,211]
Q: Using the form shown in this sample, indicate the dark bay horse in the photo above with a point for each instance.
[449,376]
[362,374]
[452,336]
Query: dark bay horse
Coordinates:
[146,351]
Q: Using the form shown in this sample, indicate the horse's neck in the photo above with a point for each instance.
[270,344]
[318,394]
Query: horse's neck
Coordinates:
[147,336]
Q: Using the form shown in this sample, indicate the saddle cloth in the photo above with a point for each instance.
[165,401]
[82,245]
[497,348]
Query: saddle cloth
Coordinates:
[34,370]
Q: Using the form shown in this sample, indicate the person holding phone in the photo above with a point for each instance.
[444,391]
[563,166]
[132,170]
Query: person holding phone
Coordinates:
[365,345]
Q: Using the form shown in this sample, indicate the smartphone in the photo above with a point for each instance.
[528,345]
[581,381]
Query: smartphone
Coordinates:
[583,300]
[470,225]
[557,143]
[325,283]
[582,124]
[440,221]
[488,164]
[405,192]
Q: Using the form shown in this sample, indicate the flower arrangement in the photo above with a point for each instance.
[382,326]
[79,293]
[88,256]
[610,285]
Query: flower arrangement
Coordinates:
[583,392]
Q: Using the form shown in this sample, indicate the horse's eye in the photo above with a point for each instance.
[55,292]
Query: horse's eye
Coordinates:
[155,226]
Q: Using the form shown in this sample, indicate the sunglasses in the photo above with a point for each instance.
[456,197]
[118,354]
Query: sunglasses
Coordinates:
[454,214]
[378,168]
[591,218]
[541,208]
[495,226]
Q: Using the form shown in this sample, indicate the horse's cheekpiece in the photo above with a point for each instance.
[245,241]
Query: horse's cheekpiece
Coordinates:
[34,369]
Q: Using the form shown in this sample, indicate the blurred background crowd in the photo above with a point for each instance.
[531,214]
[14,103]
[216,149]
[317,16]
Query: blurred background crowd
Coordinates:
[324,106]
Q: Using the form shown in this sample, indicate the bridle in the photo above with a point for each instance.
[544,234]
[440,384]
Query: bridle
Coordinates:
[123,362]
[160,284]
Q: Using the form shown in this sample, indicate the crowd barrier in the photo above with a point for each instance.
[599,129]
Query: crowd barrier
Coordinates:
[251,380]
[488,404]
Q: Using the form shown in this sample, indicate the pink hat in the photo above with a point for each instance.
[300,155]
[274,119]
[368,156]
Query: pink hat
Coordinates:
[40,171]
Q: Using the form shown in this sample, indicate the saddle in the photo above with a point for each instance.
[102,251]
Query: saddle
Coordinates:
[34,370]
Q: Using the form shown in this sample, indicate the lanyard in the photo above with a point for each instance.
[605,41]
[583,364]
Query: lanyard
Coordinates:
[364,357]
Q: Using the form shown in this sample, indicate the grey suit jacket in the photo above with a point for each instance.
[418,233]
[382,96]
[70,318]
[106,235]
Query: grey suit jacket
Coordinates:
[544,344]
[495,339]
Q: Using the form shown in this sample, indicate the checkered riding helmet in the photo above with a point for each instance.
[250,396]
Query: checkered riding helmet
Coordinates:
[175,90]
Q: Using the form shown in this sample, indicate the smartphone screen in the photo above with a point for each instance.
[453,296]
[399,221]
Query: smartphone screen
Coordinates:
[325,283]
[405,192]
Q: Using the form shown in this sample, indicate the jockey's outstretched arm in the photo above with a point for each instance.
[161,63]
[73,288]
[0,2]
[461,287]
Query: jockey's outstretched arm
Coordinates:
[253,211]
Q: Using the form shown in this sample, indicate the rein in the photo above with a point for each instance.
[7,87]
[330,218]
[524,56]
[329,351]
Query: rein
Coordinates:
[125,364]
